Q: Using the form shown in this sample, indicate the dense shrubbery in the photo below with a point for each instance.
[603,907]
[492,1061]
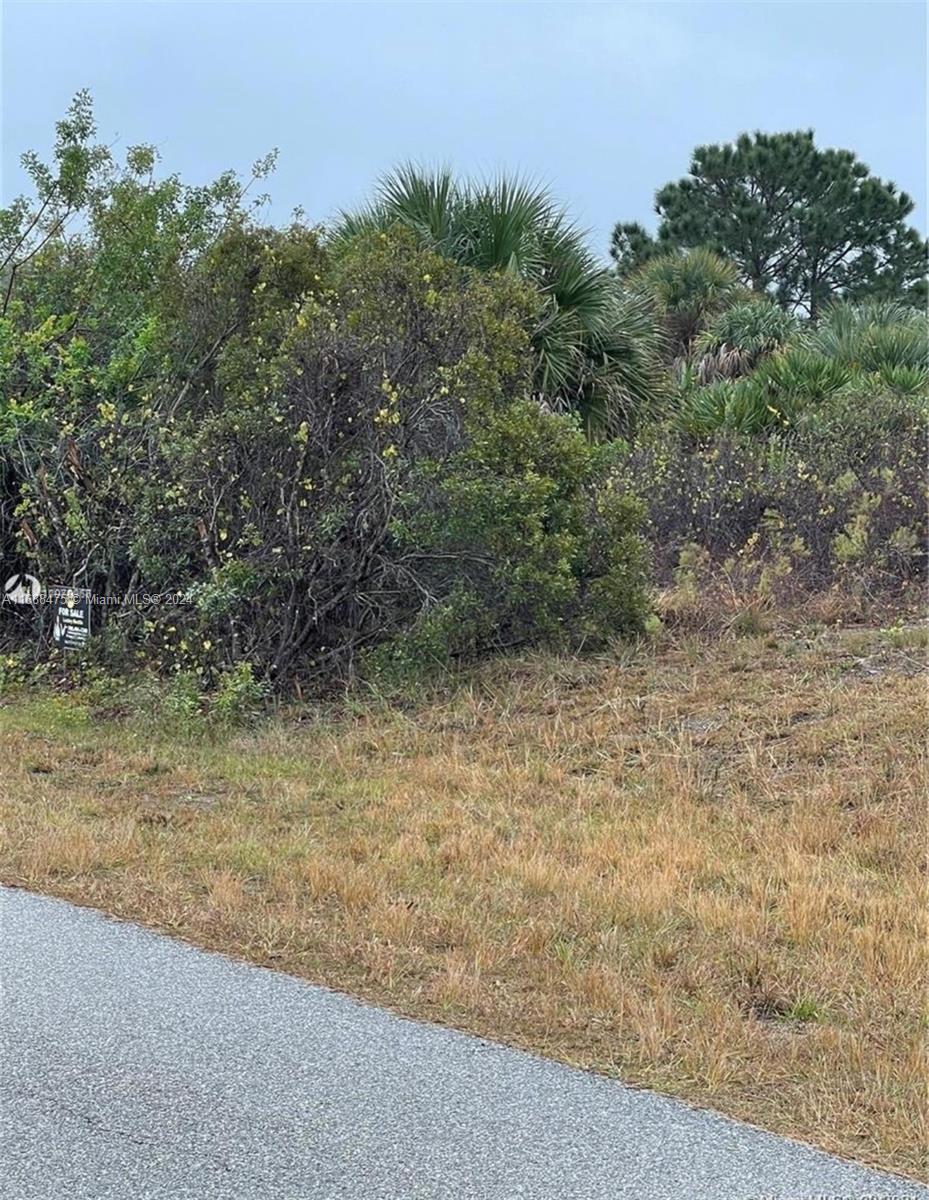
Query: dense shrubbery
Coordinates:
[361,464]
[328,453]
[736,341]
[595,349]
[387,448]
[837,504]
[755,371]
[793,458]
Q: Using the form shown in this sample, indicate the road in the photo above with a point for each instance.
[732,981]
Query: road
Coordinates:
[137,1067]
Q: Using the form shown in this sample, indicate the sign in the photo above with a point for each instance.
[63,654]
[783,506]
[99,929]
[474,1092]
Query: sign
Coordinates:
[72,618]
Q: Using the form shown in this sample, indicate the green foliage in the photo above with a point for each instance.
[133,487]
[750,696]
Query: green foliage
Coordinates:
[738,339]
[548,544]
[840,504]
[107,335]
[876,336]
[798,375]
[805,1008]
[595,349]
[14,671]
[230,585]
[861,421]
[72,181]
[804,224]
[330,419]
[688,289]
[768,400]
[763,372]
[616,597]
[702,411]
[906,381]
[183,700]
[239,697]
[295,457]
[282,459]
[631,247]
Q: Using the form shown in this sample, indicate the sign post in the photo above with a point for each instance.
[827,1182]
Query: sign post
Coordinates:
[72,618]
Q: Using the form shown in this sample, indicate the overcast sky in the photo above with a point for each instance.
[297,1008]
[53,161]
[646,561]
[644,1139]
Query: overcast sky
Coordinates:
[602,102]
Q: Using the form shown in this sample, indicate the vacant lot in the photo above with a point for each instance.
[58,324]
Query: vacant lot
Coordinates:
[699,867]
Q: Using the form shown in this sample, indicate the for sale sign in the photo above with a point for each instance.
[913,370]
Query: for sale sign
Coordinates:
[71,607]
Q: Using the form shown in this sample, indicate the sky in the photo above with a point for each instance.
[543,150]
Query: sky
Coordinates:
[603,103]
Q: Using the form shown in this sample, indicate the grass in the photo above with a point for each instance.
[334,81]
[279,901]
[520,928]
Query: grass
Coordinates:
[699,867]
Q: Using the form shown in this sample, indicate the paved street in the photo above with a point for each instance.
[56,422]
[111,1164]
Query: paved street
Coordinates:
[137,1067]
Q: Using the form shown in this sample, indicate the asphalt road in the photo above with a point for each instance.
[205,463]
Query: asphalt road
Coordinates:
[137,1067]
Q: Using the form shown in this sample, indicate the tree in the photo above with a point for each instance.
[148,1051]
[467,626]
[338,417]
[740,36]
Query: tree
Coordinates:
[688,288]
[595,345]
[631,247]
[803,224]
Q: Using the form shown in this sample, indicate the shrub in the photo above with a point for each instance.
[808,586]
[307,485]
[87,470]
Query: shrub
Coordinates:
[799,377]
[183,699]
[738,339]
[873,336]
[904,381]
[355,460]
[239,695]
[546,540]
[759,374]
[689,288]
[769,400]
[839,503]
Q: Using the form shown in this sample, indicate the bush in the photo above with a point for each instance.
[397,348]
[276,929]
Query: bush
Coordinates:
[840,503]
[758,373]
[738,339]
[546,542]
[873,336]
[239,696]
[356,460]
[688,288]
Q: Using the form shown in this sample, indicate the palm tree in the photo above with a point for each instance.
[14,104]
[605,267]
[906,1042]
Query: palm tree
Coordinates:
[596,347]
[688,288]
[736,341]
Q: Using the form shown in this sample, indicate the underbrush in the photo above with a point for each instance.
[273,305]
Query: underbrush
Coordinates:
[836,509]
[366,483]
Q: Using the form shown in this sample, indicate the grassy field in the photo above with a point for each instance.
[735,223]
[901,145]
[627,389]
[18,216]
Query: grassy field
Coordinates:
[698,866]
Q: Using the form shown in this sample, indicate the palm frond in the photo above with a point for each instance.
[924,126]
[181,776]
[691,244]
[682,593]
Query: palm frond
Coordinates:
[424,201]
[873,336]
[689,288]
[595,346]
[740,337]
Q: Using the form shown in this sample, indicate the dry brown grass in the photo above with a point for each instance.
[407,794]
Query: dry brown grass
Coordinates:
[700,868]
